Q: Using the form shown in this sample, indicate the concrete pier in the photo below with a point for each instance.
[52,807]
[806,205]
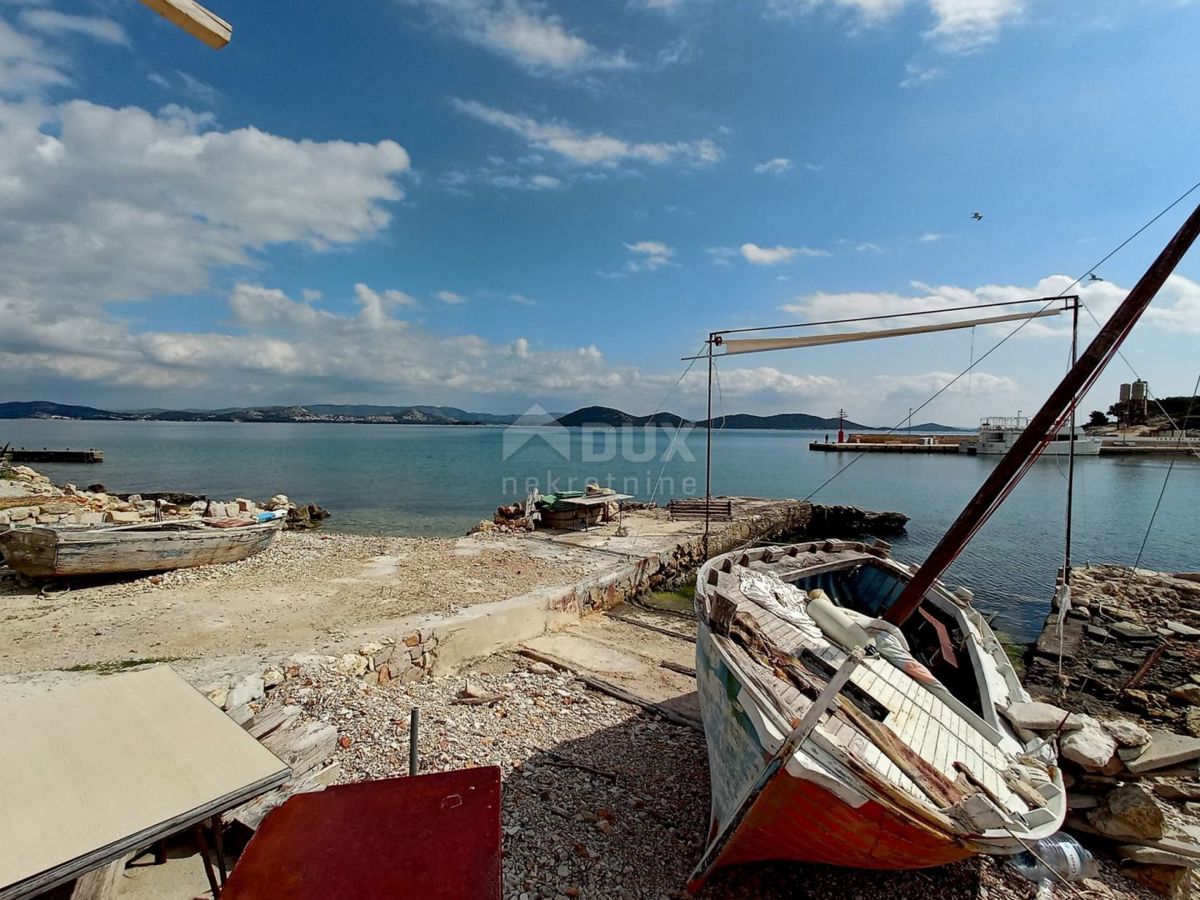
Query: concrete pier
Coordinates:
[23,455]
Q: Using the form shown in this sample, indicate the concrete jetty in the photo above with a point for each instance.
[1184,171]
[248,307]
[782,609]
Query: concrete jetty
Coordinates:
[44,455]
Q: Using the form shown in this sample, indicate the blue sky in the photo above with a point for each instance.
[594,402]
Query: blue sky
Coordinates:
[495,203]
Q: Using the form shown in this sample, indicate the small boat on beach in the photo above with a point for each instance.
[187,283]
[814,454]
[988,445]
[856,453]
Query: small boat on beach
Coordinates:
[885,747]
[857,711]
[76,550]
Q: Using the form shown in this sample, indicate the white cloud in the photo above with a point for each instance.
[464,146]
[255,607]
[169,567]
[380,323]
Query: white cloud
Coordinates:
[100,204]
[197,89]
[963,25]
[27,65]
[667,6]
[519,182]
[930,236]
[868,247]
[919,75]
[450,297]
[958,26]
[521,32]
[776,166]
[595,149]
[649,256]
[773,256]
[48,21]
[1177,307]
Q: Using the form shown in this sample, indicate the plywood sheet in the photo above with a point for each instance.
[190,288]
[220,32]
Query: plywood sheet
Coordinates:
[93,770]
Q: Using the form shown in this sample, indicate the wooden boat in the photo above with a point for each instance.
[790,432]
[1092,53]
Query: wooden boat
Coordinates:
[854,707]
[73,550]
[891,774]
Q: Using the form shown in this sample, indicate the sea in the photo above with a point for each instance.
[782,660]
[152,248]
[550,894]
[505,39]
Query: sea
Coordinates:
[440,480]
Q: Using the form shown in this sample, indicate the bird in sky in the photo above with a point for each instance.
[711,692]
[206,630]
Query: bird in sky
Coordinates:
[1092,276]
[977,216]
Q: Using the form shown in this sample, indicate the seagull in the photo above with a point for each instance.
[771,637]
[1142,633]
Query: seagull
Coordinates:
[977,216]
[1092,276]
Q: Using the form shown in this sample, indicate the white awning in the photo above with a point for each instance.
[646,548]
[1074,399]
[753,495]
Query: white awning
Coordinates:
[760,345]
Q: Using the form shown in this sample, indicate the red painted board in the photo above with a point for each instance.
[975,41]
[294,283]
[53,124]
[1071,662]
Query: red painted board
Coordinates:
[431,836]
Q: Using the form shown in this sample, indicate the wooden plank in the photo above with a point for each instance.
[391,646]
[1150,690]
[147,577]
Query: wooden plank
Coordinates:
[102,883]
[193,18]
[113,764]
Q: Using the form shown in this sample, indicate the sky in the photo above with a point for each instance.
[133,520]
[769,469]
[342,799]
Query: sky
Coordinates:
[494,204]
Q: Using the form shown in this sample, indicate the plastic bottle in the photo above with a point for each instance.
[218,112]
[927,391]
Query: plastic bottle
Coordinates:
[1052,858]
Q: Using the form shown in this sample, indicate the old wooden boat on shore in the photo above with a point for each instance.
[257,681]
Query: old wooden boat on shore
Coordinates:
[883,748]
[73,550]
[854,707]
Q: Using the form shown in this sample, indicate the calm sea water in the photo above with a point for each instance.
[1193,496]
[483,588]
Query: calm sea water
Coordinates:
[430,480]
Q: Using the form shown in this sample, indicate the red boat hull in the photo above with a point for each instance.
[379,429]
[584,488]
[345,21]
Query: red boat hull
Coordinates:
[797,820]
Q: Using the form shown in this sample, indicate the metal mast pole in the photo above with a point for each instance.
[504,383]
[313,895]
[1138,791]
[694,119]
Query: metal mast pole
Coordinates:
[1071,458]
[708,448]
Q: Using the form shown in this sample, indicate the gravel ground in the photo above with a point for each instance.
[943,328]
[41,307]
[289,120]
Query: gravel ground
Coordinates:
[600,800]
[308,591]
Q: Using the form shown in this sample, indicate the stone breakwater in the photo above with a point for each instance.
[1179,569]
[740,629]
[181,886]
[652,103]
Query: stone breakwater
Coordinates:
[28,498]
[1126,660]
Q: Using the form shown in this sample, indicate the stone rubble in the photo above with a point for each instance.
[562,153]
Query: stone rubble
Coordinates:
[42,503]
[1128,645]
[600,799]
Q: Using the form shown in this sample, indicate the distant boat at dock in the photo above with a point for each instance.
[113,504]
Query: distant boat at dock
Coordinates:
[998,434]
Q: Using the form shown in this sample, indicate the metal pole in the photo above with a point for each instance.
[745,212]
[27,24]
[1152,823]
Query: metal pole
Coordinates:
[708,449]
[1071,458]
[414,721]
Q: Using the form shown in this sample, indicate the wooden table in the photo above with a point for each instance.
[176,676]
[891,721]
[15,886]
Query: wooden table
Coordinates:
[426,837]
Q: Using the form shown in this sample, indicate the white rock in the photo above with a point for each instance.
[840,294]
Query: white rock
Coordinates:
[272,678]
[1127,734]
[369,649]
[1038,716]
[1091,746]
[249,689]
[199,506]
[351,664]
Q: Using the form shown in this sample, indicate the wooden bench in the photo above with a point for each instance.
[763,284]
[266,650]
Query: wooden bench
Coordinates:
[684,510]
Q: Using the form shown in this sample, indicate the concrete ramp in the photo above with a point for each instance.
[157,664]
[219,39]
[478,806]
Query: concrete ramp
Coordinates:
[651,667]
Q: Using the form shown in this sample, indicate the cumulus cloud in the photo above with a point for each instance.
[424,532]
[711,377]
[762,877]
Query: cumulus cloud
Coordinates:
[595,149]
[450,297]
[776,166]
[773,256]
[100,203]
[522,32]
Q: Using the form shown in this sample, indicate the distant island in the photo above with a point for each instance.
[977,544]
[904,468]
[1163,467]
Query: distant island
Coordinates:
[588,416]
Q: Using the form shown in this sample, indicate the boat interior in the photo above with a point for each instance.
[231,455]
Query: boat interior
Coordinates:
[953,726]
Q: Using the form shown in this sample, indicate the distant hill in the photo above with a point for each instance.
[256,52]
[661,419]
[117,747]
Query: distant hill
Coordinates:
[928,427]
[783,422]
[594,416]
[44,409]
[616,418]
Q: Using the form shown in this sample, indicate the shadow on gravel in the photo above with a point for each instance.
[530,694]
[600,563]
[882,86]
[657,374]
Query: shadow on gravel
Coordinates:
[623,812]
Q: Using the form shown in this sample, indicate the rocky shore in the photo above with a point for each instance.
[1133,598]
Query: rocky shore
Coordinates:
[1124,656]
[27,497]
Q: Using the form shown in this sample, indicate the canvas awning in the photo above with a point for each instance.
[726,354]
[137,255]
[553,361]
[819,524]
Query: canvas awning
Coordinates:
[759,345]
